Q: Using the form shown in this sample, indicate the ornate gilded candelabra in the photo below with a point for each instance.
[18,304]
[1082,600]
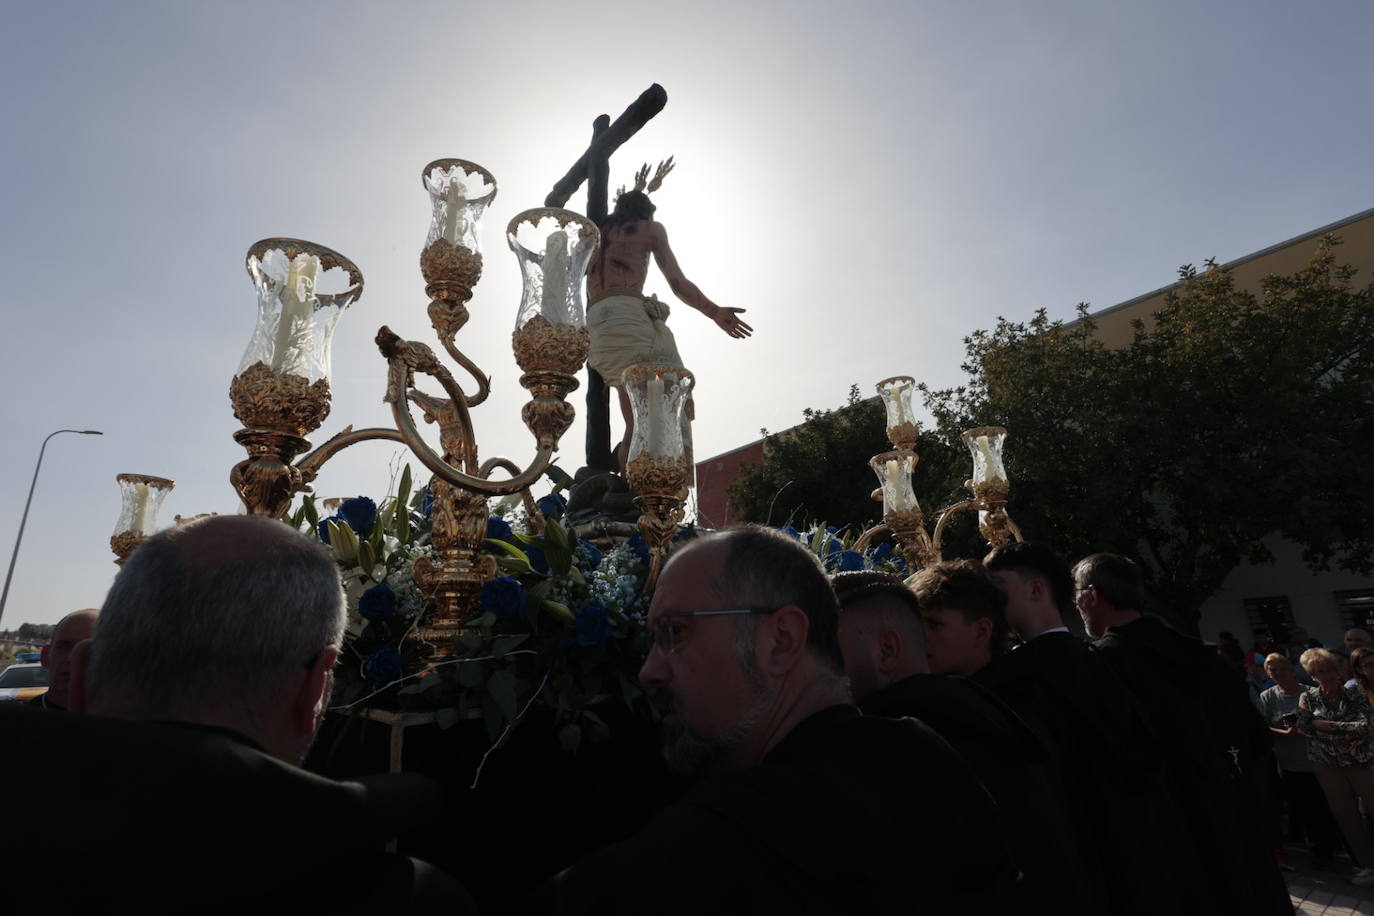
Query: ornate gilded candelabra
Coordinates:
[282,392]
[902,512]
[659,467]
[141,497]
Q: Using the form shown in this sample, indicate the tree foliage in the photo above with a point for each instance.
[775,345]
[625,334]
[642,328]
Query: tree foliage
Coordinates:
[1231,417]
[818,471]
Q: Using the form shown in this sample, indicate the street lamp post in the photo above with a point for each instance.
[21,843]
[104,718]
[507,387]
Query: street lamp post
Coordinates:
[4,596]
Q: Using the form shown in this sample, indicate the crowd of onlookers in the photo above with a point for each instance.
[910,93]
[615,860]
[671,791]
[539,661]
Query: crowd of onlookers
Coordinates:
[1008,736]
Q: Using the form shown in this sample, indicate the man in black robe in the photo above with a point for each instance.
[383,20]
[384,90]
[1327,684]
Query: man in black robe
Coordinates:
[884,649]
[806,806]
[1209,727]
[178,791]
[1106,758]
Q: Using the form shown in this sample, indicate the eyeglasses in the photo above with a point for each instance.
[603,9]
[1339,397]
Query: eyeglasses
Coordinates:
[665,633]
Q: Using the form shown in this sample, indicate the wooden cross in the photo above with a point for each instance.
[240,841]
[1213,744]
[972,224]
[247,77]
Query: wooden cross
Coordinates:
[594,167]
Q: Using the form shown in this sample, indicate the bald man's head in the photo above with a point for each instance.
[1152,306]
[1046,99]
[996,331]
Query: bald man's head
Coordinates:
[57,655]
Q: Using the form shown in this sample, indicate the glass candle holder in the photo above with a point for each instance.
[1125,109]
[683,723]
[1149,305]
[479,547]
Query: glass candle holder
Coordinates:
[141,497]
[658,395]
[894,470]
[296,319]
[553,247]
[459,192]
[989,482]
[901,421]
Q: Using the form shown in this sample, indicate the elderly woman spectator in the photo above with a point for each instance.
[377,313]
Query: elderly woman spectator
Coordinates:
[1339,724]
[1308,814]
[1362,669]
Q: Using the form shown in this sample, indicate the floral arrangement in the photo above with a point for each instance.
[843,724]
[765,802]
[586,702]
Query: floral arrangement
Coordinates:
[562,626]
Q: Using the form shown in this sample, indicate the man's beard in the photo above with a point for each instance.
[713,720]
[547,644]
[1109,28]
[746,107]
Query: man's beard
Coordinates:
[691,753]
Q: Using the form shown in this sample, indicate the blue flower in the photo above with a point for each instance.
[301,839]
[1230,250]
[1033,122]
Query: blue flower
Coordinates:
[791,532]
[641,549]
[537,559]
[426,501]
[593,554]
[851,560]
[883,551]
[504,597]
[360,513]
[322,529]
[593,625]
[377,603]
[831,529]
[833,546]
[900,564]
[553,505]
[383,666]
[498,530]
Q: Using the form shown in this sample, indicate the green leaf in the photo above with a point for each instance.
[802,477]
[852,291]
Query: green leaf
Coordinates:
[570,738]
[557,535]
[311,514]
[501,688]
[508,548]
[562,480]
[471,674]
[403,489]
[511,565]
[575,574]
[540,589]
[560,560]
[503,644]
[367,560]
[447,717]
[561,611]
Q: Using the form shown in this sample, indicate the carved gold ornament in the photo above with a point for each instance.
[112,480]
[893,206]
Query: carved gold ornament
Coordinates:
[450,271]
[124,544]
[541,346]
[264,399]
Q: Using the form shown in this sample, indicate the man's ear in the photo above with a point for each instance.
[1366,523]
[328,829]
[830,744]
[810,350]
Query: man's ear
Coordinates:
[43,655]
[789,627]
[982,628]
[76,687]
[1038,589]
[889,650]
[307,707]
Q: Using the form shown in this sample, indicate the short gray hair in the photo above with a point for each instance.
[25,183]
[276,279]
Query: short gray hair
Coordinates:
[223,612]
[762,567]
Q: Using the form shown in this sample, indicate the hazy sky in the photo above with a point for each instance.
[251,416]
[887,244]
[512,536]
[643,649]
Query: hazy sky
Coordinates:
[872,181]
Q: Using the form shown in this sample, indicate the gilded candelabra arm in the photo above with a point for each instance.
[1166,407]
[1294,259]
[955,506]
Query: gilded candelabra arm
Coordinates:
[536,518]
[483,381]
[945,516]
[862,543]
[309,465]
[405,423]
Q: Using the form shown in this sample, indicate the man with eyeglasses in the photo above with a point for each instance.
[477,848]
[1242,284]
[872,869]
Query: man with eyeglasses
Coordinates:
[804,804]
[1215,744]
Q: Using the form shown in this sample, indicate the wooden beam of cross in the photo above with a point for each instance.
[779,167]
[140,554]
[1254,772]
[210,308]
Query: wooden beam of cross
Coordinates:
[594,167]
[594,164]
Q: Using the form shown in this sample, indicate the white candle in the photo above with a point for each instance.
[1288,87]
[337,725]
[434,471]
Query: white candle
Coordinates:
[297,312]
[989,465]
[656,415]
[553,303]
[141,523]
[456,203]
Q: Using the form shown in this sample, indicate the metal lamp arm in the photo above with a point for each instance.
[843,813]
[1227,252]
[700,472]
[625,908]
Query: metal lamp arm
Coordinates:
[309,465]
[405,423]
[862,543]
[483,381]
[944,517]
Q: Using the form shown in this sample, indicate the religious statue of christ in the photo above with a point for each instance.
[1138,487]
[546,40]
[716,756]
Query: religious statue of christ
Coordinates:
[626,327]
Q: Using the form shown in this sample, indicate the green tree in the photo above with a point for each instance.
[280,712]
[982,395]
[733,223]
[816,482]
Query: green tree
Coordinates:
[818,471]
[1230,418]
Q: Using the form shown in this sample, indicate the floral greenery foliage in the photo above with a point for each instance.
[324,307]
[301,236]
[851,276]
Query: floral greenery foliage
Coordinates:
[562,626]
